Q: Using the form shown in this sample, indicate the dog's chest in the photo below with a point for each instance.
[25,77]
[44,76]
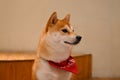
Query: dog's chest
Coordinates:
[47,72]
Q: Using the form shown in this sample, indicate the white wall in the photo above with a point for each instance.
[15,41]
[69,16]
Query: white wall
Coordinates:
[98,21]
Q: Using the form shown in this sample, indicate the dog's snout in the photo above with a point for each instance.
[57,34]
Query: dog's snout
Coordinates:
[78,38]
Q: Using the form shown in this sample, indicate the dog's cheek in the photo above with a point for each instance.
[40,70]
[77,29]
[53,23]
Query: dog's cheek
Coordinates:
[56,36]
[64,38]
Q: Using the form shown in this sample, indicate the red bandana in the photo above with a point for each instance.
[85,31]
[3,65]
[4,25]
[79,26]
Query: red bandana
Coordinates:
[68,65]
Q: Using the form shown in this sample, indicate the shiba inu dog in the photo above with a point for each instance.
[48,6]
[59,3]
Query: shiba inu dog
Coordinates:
[53,61]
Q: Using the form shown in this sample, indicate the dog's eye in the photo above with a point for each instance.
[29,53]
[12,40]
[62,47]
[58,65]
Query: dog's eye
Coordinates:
[64,30]
[73,30]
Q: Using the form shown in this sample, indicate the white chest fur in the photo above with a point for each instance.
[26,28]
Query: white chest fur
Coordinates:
[47,72]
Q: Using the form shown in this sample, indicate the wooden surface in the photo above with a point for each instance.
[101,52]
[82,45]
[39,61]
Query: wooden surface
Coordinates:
[12,56]
[16,70]
[12,68]
[106,79]
[84,64]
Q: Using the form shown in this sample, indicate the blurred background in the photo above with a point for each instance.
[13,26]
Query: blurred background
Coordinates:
[97,21]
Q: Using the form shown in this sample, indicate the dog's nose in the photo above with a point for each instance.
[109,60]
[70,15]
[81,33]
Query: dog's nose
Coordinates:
[78,38]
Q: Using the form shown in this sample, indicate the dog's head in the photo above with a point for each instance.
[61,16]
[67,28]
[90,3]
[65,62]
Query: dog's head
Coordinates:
[60,31]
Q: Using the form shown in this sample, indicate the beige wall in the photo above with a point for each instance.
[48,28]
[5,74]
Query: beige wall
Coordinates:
[98,21]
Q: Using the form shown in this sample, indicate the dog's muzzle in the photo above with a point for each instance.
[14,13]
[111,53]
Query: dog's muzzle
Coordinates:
[78,39]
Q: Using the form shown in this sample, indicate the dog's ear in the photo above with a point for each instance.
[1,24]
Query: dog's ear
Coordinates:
[53,19]
[67,18]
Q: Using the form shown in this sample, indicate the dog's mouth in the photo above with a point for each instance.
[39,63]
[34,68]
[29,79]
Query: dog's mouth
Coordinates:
[73,43]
